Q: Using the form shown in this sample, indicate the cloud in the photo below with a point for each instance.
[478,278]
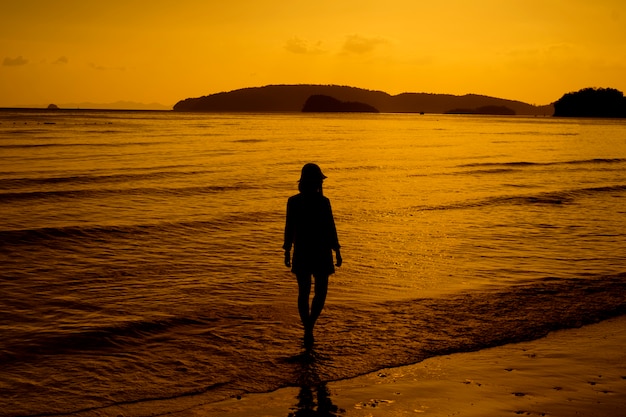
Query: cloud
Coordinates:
[357,44]
[557,55]
[301,46]
[61,60]
[14,62]
[103,68]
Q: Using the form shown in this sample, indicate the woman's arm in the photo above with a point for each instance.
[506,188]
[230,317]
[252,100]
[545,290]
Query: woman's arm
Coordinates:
[289,233]
[338,256]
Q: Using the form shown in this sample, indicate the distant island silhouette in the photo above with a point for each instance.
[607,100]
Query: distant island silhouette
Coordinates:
[292,98]
[85,106]
[591,102]
[489,110]
[321,103]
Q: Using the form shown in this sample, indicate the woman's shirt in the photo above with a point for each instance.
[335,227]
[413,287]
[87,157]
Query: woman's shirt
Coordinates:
[310,228]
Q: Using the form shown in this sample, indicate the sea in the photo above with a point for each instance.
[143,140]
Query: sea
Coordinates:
[141,261]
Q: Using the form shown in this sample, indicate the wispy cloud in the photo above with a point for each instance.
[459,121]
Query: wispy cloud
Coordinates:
[61,60]
[14,62]
[301,46]
[103,68]
[357,44]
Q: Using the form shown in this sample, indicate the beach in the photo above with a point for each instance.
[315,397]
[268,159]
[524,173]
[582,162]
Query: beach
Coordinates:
[575,372]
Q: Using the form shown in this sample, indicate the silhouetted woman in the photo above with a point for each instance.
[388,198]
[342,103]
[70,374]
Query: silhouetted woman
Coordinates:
[310,228]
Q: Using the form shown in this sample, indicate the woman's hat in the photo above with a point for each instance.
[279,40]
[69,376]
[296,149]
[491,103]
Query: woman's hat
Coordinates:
[311,172]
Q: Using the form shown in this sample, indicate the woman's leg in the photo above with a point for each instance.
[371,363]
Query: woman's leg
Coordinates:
[304,291]
[321,289]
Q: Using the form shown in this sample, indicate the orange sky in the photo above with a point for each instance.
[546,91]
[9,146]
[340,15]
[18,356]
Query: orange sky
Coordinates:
[70,51]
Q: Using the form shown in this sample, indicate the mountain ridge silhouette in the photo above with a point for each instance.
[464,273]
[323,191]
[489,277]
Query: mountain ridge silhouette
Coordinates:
[292,97]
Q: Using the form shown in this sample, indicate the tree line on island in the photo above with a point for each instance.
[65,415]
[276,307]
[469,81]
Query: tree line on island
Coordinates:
[334,98]
[592,102]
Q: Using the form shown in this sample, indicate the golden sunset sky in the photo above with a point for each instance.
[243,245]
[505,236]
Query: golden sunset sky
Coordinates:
[69,51]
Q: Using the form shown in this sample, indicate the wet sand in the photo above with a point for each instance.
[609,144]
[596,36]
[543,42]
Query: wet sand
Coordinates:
[576,372]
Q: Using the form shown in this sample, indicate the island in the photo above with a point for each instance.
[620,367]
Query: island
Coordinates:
[592,102]
[292,98]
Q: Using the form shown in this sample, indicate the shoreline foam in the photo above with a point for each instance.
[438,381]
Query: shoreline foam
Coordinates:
[574,372]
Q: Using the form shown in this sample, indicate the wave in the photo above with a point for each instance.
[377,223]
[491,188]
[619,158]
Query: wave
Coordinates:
[161,174]
[361,167]
[107,192]
[96,338]
[249,140]
[25,131]
[79,145]
[545,198]
[502,170]
[133,232]
[518,164]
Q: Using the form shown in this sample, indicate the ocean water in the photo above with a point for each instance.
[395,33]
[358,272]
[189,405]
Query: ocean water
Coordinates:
[141,260]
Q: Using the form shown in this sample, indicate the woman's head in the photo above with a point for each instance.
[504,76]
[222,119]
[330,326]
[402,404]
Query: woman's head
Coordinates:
[311,179]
